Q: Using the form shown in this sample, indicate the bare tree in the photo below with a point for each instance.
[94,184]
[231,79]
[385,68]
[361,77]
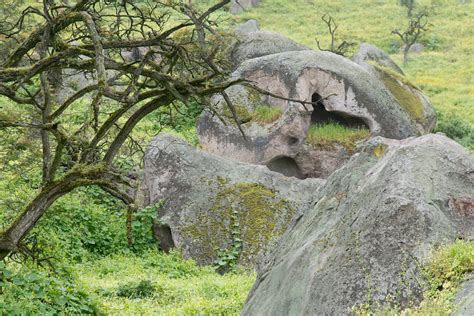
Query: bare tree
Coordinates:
[341,49]
[410,5]
[182,59]
[417,25]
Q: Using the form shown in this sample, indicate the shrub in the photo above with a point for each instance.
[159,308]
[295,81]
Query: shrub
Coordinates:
[142,289]
[30,291]
[456,128]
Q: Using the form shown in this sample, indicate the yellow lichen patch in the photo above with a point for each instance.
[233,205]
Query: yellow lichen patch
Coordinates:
[261,216]
[379,151]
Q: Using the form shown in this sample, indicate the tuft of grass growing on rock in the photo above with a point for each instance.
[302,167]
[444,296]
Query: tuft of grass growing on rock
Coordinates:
[265,114]
[327,135]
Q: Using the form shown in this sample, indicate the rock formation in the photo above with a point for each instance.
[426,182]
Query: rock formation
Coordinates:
[370,230]
[211,204]
[344,92]
[238,6]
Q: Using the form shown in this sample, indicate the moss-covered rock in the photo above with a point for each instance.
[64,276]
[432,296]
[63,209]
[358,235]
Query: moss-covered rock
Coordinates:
[215,207]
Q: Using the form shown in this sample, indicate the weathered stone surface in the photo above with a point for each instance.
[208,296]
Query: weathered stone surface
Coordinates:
[370,53]
[465,298]
[248,27]
[411,98]
[370,230]
[206,198]
[350,94]
[238,6]
[262,43]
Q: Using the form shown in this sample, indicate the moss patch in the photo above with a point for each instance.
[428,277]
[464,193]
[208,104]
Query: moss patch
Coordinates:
[261,216]
[243,115]
[446,269]
[400,90]
[328,135]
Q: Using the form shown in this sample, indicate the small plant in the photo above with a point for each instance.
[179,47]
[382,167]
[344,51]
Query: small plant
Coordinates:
[324,135]
[227,258]
[142,289]
[265,114]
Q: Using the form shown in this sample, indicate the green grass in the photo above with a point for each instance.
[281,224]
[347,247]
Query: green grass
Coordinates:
[326,135]
[265,114]
[444,70]
[159,284]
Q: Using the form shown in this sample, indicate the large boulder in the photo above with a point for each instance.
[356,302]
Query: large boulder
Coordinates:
[343,91]
[238,6]
[262,43]
[408,95]
[371,228]
[213,207]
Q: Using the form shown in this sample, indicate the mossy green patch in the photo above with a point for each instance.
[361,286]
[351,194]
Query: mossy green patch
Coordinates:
[330,134]
[243,115]
[407,99]
[446,269]
[260,216]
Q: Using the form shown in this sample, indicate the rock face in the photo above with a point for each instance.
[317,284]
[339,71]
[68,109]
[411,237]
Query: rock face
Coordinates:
[238,6]
[410,98]
[465,298]
[262,43]
[370,230]
[345,92]
[213,206]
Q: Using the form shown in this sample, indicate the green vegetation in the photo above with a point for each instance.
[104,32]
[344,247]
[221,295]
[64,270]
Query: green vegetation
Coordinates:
[446,269]
[326,135]
[265,114]
[442,71]
[159,284]
[243,221]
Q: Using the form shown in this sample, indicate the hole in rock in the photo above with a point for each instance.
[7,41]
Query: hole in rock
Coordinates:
[164,236]
[286,166]
[322,116]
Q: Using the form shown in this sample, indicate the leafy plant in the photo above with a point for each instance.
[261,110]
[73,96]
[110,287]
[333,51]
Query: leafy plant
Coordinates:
[227,258]
[142,289]
[34,292]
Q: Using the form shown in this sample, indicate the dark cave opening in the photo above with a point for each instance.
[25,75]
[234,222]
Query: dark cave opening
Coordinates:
[286,166]
[322,116]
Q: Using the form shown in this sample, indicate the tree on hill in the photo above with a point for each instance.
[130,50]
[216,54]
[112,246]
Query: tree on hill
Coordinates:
[417,25]
[80,132]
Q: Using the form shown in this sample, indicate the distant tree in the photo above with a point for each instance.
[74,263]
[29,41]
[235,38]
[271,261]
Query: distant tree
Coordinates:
[417,25]
[410,5]
[81,135]
[341,49]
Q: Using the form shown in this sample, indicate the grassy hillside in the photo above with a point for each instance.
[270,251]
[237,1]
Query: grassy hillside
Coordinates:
[444,70]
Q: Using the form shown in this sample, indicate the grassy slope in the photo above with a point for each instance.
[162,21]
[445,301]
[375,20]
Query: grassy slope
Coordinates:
[446,73]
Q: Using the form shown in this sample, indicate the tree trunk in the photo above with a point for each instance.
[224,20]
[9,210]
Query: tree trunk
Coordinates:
[92,175]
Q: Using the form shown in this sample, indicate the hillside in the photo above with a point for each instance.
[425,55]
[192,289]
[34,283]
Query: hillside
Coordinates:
[92,254]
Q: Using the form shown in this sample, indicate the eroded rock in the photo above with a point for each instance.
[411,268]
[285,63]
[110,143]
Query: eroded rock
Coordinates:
[211,204]
[344,92]
[370,230]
